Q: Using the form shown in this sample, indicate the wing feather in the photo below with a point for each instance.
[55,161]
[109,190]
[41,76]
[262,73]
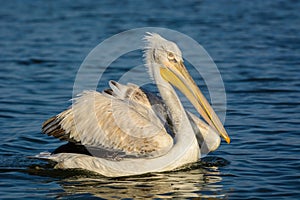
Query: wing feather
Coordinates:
[134,93]
[101,120]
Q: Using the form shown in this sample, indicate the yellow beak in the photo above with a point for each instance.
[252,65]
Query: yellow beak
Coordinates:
[176,74]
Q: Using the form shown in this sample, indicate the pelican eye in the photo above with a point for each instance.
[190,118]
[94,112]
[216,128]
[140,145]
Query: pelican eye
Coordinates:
[171,56]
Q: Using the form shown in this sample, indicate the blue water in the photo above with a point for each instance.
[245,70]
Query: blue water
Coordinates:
[255,44]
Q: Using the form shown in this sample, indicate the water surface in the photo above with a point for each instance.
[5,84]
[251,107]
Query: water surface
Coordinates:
[255,45]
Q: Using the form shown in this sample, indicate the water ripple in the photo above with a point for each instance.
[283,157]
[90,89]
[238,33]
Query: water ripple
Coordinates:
[255,45]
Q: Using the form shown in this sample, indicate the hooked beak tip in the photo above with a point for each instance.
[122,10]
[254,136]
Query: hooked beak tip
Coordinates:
[227,140]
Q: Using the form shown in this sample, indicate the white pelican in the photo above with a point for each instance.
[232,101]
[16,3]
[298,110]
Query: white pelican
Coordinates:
[128,131]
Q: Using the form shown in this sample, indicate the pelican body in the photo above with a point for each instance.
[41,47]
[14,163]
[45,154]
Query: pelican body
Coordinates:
[126,130]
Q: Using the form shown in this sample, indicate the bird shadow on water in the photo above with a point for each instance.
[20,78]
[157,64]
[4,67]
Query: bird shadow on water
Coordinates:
[202,179]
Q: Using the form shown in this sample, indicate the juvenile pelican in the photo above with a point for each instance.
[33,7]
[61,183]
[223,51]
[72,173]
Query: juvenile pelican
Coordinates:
[128,131]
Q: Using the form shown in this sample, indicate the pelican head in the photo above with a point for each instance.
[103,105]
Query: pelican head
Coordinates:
[166,56]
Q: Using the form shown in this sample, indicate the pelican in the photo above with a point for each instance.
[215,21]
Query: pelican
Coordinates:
[126,130]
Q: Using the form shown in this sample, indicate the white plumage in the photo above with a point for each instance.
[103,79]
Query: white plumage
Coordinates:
[136,131]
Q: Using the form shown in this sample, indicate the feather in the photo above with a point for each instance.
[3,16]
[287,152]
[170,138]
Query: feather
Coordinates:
[121,124]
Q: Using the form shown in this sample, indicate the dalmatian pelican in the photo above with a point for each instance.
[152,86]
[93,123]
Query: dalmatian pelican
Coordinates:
[126,130]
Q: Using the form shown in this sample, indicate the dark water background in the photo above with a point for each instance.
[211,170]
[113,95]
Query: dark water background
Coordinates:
[255,45]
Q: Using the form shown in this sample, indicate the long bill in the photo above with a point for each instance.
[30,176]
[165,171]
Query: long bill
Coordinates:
[176,74]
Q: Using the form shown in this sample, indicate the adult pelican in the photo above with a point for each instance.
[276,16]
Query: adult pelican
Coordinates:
[126,130]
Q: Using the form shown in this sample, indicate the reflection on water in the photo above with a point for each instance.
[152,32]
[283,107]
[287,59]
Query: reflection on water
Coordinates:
[195,180]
